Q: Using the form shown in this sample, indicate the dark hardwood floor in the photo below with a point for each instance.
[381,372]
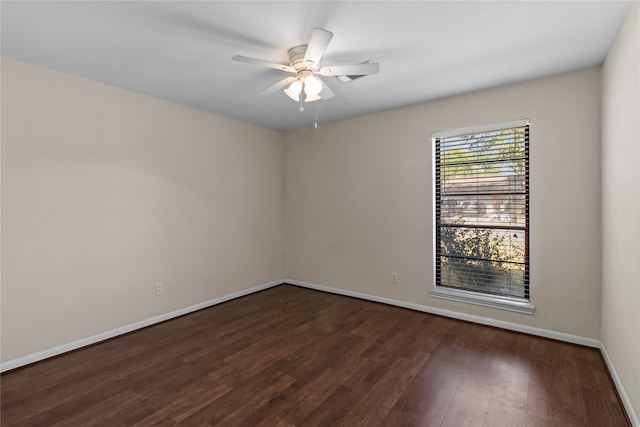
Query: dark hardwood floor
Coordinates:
[289,356]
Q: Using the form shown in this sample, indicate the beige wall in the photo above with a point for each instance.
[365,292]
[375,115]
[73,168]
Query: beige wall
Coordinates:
[621,205]
[106,191]
[359,199]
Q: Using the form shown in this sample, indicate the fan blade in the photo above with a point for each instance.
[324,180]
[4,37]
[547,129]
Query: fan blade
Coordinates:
[364,69]
[280,85]
[317,45]
[326,93]
[255,61]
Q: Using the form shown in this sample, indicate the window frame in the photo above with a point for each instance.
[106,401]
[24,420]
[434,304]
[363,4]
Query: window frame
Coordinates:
[520,305]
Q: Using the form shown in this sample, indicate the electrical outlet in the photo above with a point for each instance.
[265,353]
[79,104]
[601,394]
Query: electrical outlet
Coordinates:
[159,288]
[394,277]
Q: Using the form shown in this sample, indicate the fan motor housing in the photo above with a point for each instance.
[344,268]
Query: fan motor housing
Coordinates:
[296,58]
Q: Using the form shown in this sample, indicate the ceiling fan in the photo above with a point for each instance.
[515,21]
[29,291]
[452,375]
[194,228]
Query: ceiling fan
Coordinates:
[304,63]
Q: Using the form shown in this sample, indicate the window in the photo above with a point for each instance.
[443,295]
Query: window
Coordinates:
[482,215]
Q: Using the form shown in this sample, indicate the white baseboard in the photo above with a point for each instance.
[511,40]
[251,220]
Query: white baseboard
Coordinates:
[55,351]
[635,422]
[561,336]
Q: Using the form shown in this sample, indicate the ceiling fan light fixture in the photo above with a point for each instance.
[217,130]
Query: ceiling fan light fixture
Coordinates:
[294,90]
[312,86]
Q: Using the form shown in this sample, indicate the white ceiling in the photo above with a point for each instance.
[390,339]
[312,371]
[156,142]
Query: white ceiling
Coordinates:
[181,51]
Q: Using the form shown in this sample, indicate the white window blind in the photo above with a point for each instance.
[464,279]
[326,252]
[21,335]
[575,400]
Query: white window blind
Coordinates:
[482,210]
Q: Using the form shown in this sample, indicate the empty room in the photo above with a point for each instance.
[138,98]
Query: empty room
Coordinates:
[336,213]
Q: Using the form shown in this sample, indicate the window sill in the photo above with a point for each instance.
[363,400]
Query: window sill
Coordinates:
[503,303]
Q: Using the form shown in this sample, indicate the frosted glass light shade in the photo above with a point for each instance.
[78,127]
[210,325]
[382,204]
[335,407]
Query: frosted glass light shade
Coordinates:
[294,89]
[311,98]
[312,86]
